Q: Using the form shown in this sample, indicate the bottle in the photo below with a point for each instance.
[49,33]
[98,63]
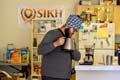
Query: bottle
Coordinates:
[10,49]
[117,52]
[88,16]
[119,57]
[34,42]
[80,2]
[116,55]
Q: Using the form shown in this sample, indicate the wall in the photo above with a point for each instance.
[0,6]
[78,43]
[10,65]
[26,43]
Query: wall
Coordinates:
[10,32]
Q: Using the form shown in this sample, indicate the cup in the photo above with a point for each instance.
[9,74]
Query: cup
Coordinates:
[108,59]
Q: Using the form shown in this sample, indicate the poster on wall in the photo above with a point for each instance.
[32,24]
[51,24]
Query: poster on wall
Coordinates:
[27,14]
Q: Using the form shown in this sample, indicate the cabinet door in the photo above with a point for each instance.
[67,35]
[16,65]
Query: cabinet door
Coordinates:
[117,19]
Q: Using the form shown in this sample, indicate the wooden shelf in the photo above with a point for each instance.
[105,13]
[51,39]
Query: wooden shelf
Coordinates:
[38,32]
[42,33]
[36,61]
[35,75]
[98,49]
[34,47]
[115,13]
[21,64]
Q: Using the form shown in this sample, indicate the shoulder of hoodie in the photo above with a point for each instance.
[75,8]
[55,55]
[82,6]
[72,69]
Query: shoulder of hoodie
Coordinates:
[53,31]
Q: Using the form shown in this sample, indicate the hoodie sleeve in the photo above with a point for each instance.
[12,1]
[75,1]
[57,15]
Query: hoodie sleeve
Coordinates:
[76,55]
[46,44]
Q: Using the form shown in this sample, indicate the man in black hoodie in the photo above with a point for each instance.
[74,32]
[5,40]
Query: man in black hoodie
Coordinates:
[57,62]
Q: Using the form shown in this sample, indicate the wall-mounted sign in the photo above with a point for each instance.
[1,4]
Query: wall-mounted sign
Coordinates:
[26,15]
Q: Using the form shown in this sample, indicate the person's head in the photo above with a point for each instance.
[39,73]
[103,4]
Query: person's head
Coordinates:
[73,23]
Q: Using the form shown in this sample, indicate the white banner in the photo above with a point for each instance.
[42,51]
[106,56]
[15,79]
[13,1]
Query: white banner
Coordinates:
[27,14]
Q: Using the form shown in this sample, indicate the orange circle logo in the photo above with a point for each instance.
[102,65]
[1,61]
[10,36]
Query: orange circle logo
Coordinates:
[28,14]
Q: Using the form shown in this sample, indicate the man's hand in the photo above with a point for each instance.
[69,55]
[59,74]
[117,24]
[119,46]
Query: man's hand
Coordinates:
[59,41]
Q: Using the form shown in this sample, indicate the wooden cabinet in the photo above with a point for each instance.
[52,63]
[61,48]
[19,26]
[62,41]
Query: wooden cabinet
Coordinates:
[113,10]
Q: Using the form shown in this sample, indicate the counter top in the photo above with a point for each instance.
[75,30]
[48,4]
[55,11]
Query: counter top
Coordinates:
[97,68]
[97,72]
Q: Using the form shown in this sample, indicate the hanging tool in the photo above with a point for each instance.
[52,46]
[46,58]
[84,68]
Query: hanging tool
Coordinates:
[107,41]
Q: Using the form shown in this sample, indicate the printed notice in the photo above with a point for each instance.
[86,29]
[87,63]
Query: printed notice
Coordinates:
[102,32]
